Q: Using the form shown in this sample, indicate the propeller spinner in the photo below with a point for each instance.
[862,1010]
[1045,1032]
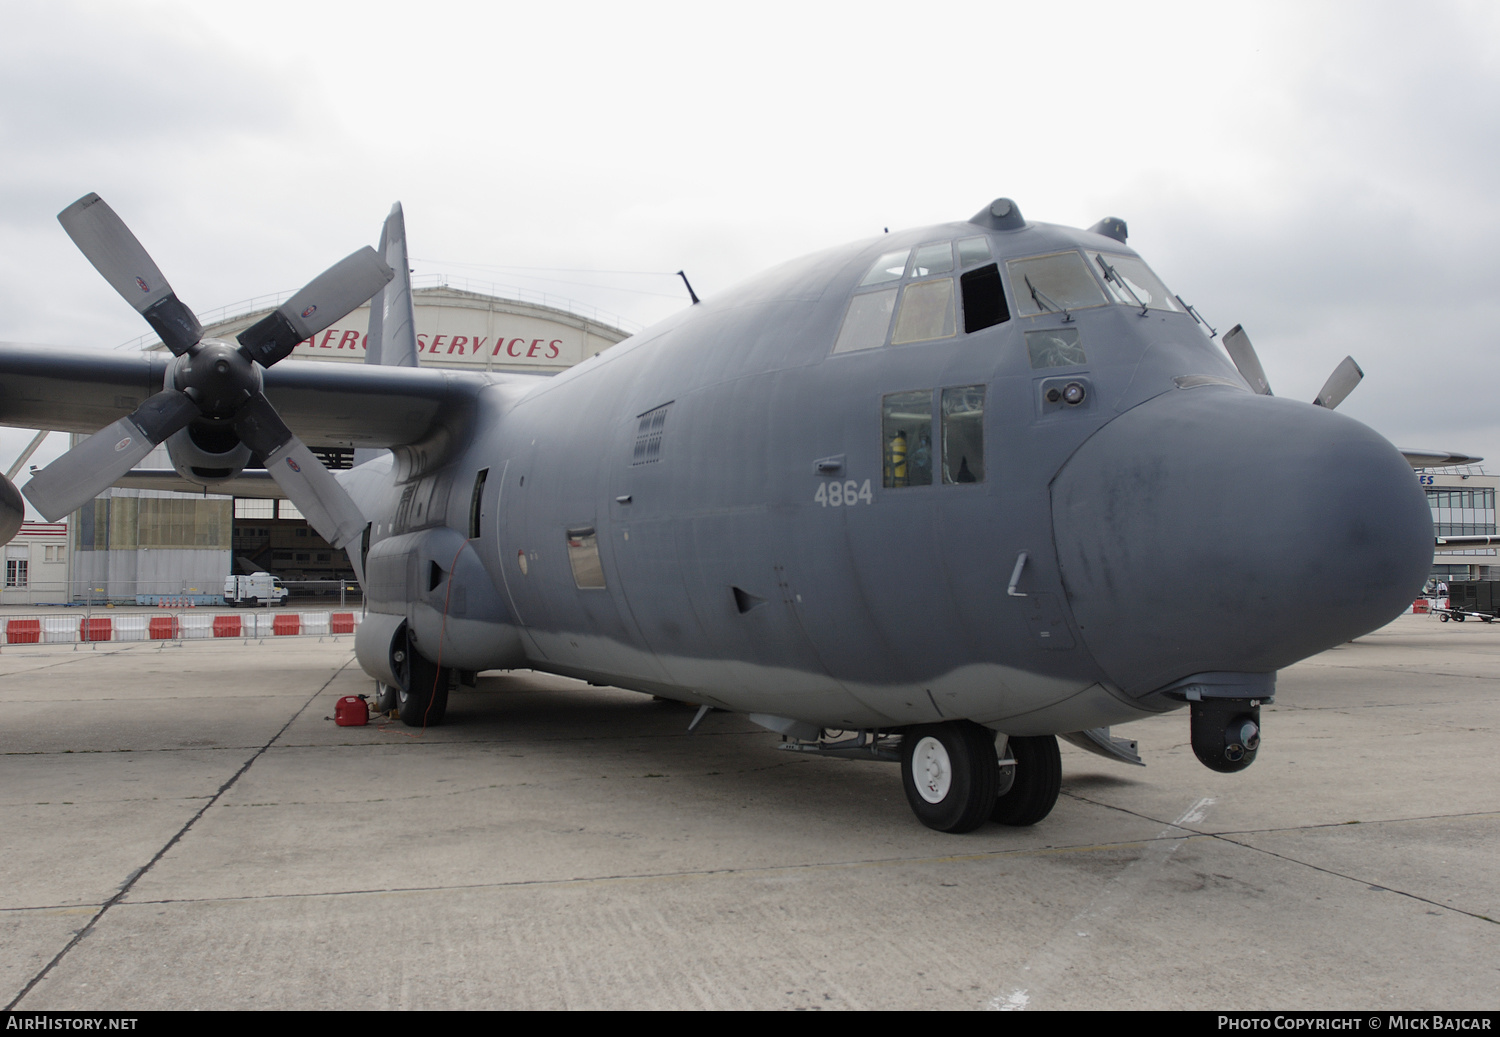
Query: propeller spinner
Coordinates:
[209,378]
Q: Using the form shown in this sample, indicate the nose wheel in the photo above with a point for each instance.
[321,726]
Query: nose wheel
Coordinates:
[1030,789]
[950,774]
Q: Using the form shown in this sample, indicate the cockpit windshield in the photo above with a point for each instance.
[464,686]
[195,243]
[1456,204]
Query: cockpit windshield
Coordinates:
[1130,281]
[1053,284]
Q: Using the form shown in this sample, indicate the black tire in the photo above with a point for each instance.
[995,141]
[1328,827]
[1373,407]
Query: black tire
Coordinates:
[950,774]
[1037,779]
[423,700]
[1458,618]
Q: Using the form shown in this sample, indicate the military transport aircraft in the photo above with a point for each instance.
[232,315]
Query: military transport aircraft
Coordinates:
[937,497]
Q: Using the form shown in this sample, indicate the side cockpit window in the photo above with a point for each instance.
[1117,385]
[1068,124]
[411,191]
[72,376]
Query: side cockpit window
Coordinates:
[906,422]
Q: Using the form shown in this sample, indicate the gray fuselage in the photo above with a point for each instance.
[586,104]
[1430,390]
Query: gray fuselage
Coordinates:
[725,509]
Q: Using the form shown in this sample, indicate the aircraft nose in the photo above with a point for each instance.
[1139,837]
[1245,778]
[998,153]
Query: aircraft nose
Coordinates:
[1214,530]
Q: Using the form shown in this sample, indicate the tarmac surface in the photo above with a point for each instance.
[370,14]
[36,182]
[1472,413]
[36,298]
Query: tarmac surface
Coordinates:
[185,827]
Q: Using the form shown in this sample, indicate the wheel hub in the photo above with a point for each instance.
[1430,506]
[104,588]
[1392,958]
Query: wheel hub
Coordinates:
[932,770]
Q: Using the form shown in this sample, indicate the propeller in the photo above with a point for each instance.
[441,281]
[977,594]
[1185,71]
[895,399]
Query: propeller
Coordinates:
[208,379]
[1339,385]
[1237,344]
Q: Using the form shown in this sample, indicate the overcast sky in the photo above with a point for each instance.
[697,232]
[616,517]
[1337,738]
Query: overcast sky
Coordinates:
[1325,174]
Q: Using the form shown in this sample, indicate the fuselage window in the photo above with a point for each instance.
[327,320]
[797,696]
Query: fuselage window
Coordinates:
[1053,284]
[984,299]
[583,556]
[926,312]
[906,437]
[867,321]
[963,434]
[1130,281]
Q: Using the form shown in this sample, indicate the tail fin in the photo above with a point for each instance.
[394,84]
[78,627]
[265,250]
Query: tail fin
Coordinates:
[393,334]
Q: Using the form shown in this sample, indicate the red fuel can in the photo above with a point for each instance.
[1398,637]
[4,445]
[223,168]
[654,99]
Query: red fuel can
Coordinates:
[351,711]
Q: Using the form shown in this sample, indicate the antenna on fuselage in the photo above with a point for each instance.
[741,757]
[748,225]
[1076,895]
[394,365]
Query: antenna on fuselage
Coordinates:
[692,294]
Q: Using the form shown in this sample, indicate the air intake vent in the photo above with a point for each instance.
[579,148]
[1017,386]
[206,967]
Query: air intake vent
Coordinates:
[648,436]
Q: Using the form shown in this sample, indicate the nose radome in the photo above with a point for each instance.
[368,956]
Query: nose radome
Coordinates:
[1215,530]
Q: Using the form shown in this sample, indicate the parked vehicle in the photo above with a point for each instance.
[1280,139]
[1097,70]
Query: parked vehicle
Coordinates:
[255,589]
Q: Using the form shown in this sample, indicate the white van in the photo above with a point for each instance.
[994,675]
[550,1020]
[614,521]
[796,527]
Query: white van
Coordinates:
[255,589]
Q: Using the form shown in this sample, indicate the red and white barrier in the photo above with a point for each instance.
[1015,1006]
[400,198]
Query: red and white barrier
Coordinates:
[189,626]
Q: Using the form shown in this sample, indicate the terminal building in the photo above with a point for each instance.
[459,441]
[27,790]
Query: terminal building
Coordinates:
[151,542]
[1462,499]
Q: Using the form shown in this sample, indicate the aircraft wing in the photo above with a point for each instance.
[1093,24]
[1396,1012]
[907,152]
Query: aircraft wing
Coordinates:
[1419,458]
[348,405]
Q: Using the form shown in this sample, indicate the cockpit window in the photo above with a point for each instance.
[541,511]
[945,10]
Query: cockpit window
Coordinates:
[973,250]
[933,259]
[1053,284]
[1130,281]
[867,321]
[888,267]
[926,312]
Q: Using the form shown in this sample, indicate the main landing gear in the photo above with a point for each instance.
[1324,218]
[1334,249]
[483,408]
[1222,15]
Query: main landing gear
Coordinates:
[421,697]
[954,780]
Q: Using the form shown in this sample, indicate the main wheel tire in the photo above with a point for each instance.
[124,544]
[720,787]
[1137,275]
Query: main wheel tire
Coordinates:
[1036,782]
[387,697]
[423,700]
[950,774]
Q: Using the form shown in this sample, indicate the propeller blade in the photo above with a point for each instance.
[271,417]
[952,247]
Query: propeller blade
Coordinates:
[12,510]
[107,243]
[94,465]
[1245,360]
[333,294]
[325,504]
[1340,384]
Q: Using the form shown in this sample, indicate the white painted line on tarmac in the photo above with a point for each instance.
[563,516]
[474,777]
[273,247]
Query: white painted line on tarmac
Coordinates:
[1054,960]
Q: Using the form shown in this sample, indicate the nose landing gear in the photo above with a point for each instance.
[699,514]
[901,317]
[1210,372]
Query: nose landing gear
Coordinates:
[954,782]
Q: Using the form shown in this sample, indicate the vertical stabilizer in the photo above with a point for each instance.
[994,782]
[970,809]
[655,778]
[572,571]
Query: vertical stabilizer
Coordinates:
[393,334]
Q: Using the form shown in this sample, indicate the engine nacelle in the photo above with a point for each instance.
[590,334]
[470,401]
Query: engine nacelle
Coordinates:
[207,452]
[12,510]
